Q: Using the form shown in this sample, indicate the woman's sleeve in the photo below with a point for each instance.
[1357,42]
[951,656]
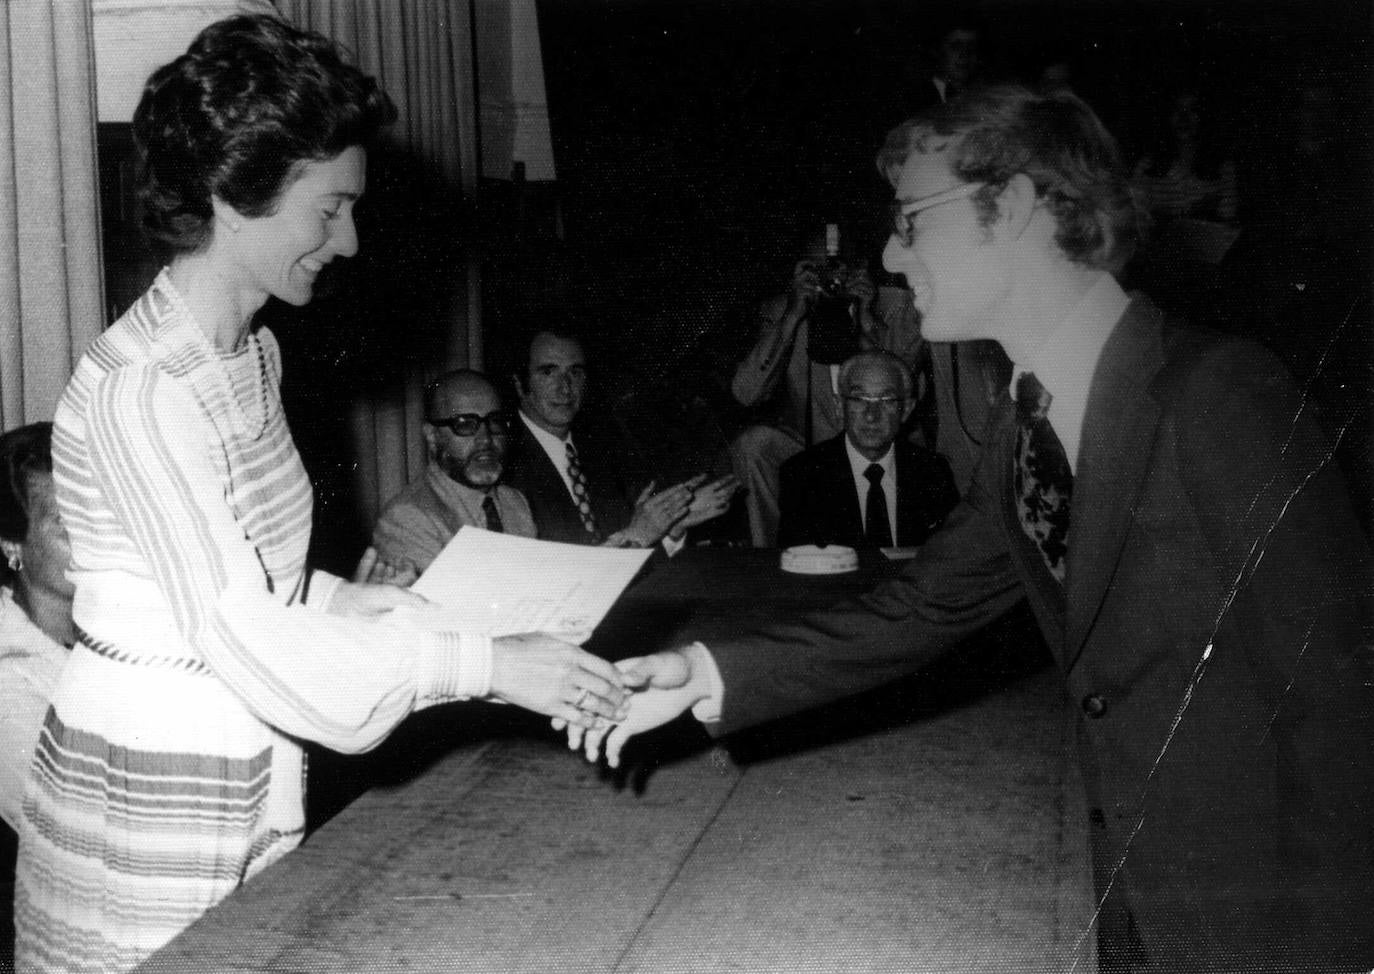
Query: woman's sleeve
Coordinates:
[342,681]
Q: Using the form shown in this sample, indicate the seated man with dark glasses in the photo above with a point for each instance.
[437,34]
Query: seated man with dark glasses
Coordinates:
[466,434]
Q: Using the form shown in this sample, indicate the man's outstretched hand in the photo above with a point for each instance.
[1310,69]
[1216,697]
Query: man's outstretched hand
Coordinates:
[661,687]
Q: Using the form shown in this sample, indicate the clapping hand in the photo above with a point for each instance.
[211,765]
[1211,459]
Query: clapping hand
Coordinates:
[708,501]
[656,513]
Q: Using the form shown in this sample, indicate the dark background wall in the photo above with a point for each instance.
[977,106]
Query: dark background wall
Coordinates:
[696,141]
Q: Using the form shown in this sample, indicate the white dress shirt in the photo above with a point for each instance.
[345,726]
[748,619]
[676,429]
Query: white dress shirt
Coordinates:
[1065,362]
[858,465]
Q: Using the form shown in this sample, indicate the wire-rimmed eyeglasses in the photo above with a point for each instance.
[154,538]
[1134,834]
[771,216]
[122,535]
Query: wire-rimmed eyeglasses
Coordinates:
[904,212]
[889,403]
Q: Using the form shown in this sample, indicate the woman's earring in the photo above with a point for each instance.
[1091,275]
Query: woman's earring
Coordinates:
[16,561]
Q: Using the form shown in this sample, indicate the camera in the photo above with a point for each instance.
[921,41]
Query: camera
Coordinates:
[834,328]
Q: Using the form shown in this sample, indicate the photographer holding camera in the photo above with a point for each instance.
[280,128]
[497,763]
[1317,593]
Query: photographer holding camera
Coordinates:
[832,310]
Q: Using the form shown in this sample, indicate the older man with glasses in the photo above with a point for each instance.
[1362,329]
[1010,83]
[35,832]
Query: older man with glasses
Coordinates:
[466,434]
[866,488]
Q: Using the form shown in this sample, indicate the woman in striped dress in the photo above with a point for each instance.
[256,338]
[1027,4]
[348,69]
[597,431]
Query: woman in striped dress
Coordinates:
[169,769]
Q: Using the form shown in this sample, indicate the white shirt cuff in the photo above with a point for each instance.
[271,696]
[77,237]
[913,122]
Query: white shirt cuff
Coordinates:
[671,547]
[708,710]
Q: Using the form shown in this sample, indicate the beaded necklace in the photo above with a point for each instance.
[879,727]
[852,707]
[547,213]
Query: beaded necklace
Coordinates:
[244,424]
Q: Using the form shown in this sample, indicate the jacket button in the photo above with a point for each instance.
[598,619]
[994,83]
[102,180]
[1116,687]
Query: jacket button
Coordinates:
[1094,706]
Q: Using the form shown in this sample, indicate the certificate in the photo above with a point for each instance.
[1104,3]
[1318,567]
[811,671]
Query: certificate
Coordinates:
[502,585]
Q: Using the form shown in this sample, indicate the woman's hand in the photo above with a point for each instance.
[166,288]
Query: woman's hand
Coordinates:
[551,677]
[373,570]
[362,599]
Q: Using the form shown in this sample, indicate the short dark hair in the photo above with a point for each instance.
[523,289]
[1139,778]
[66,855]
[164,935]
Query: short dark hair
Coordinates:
[1056,140]
[251,100]
[24,451]
[564,332]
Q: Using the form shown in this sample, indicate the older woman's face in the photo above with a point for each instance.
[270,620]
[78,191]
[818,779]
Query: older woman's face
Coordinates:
[47,552]
[285,251]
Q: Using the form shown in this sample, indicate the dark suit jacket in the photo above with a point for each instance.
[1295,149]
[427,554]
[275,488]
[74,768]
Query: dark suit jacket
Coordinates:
[1213,632]
[820,505]
[529,470]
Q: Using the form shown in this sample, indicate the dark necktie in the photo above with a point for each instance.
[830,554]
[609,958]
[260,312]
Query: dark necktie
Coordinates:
[877,531]
[580,495]
[1043,480]
[493,515]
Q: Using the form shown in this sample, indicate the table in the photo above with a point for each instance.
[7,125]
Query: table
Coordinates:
[934,825]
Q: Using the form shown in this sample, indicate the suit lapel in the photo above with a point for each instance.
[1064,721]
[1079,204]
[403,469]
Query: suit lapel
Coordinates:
[842,495]
[546,492]
[1118,428]
[906,494]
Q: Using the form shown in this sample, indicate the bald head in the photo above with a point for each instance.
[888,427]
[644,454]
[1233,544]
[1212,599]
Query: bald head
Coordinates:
[465,428]
[465,384]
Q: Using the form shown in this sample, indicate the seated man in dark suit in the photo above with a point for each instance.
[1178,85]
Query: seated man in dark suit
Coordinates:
[867,488]
[573,478]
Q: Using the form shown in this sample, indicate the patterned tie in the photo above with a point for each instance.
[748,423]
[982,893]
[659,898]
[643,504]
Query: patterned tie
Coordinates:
[1043,480]
[493,515]
[877,530]
[580,495]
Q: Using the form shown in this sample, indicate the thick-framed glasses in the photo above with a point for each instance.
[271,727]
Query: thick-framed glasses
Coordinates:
[497,422]
[904,212]
[886,403]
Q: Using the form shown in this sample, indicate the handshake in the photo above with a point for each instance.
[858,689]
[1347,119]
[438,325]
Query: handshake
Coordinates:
[657,689]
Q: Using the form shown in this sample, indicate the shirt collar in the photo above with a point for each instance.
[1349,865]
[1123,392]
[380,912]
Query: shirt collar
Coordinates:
[1065,362]
[556,448]
[859,463]
[455,494]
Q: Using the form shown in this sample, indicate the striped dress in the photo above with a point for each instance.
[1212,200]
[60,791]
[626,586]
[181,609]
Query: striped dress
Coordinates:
[169,770]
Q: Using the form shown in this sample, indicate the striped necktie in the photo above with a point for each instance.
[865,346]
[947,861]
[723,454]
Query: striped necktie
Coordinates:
[580,495]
